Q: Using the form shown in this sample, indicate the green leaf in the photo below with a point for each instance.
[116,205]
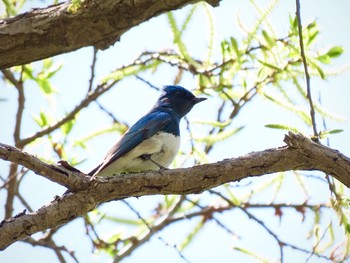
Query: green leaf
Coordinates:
[204,81]
[270,65]
[235,46]
[218,124]
[67,127]
[129,70]
[293,23]
[312,33]
[41,120]
[13,7]
[331,53]
[213,138]
[320,71]
[53,70]
[44,84]
[347,228]
[326,133]
[251,254]
[47,63]
[201,156]
[335,131]
[124,221]
[225,50]
[74,6]
[291,107]
[80,144]
[177,34]
[117,127]
[233,198]
[282,127]
[211,33]
[335,51]
[191,235]
[325,59]
[269,41]
[114,238]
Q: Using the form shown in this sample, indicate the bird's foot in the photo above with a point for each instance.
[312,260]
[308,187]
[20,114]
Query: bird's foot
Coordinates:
[148,157]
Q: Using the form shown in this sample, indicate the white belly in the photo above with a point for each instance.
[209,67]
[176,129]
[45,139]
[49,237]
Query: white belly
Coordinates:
[161,147]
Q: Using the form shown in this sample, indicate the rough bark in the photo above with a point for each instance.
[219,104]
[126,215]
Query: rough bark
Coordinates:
[299,154]
[45,32]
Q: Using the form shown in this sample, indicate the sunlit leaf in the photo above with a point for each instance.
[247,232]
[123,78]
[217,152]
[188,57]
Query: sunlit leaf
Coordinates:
[251,254]
[312,33]
[41,120]
[263,14]
[201,156]
[177,34]
[67,127]
[282,127]
[318,68]
[269,41]
[129,70]
[191,235]
[234,45]
[289,106]
[211,29]
[325,59]
[116,127]
[45,85]
[211,139]
[232,196]
[225,50]
[218,124]
[326,133]
[293,25]
[126,221]
[269,65]
[335,52]
[74,6]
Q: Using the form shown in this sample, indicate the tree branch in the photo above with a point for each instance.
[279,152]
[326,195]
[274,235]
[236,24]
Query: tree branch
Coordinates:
[299,154]
[307,75]
[45,32]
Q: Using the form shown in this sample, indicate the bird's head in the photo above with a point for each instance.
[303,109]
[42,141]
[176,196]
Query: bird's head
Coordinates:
[179,99]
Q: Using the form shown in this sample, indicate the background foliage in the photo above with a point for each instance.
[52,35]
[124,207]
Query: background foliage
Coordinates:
[249,65]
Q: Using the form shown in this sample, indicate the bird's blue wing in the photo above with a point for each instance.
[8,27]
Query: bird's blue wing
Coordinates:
[143,129]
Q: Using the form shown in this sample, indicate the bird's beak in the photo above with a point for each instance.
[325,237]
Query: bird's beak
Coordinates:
[198,100]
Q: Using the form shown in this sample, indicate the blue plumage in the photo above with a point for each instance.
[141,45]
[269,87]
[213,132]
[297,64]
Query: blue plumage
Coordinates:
[153,141]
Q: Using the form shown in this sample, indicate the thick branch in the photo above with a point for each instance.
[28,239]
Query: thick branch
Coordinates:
[300,154]
[45,32]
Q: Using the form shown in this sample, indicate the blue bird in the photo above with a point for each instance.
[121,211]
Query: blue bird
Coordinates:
[154,140]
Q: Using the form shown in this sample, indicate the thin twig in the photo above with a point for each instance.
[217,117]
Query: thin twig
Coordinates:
[12,177]
[93,65]
[148,83]
[318,242]
[205,209]
[49,243]
[90,227]
[110,114]
[191,135]
[18,194]
[308,87]
[330,180]
[151,231]
[281,243]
